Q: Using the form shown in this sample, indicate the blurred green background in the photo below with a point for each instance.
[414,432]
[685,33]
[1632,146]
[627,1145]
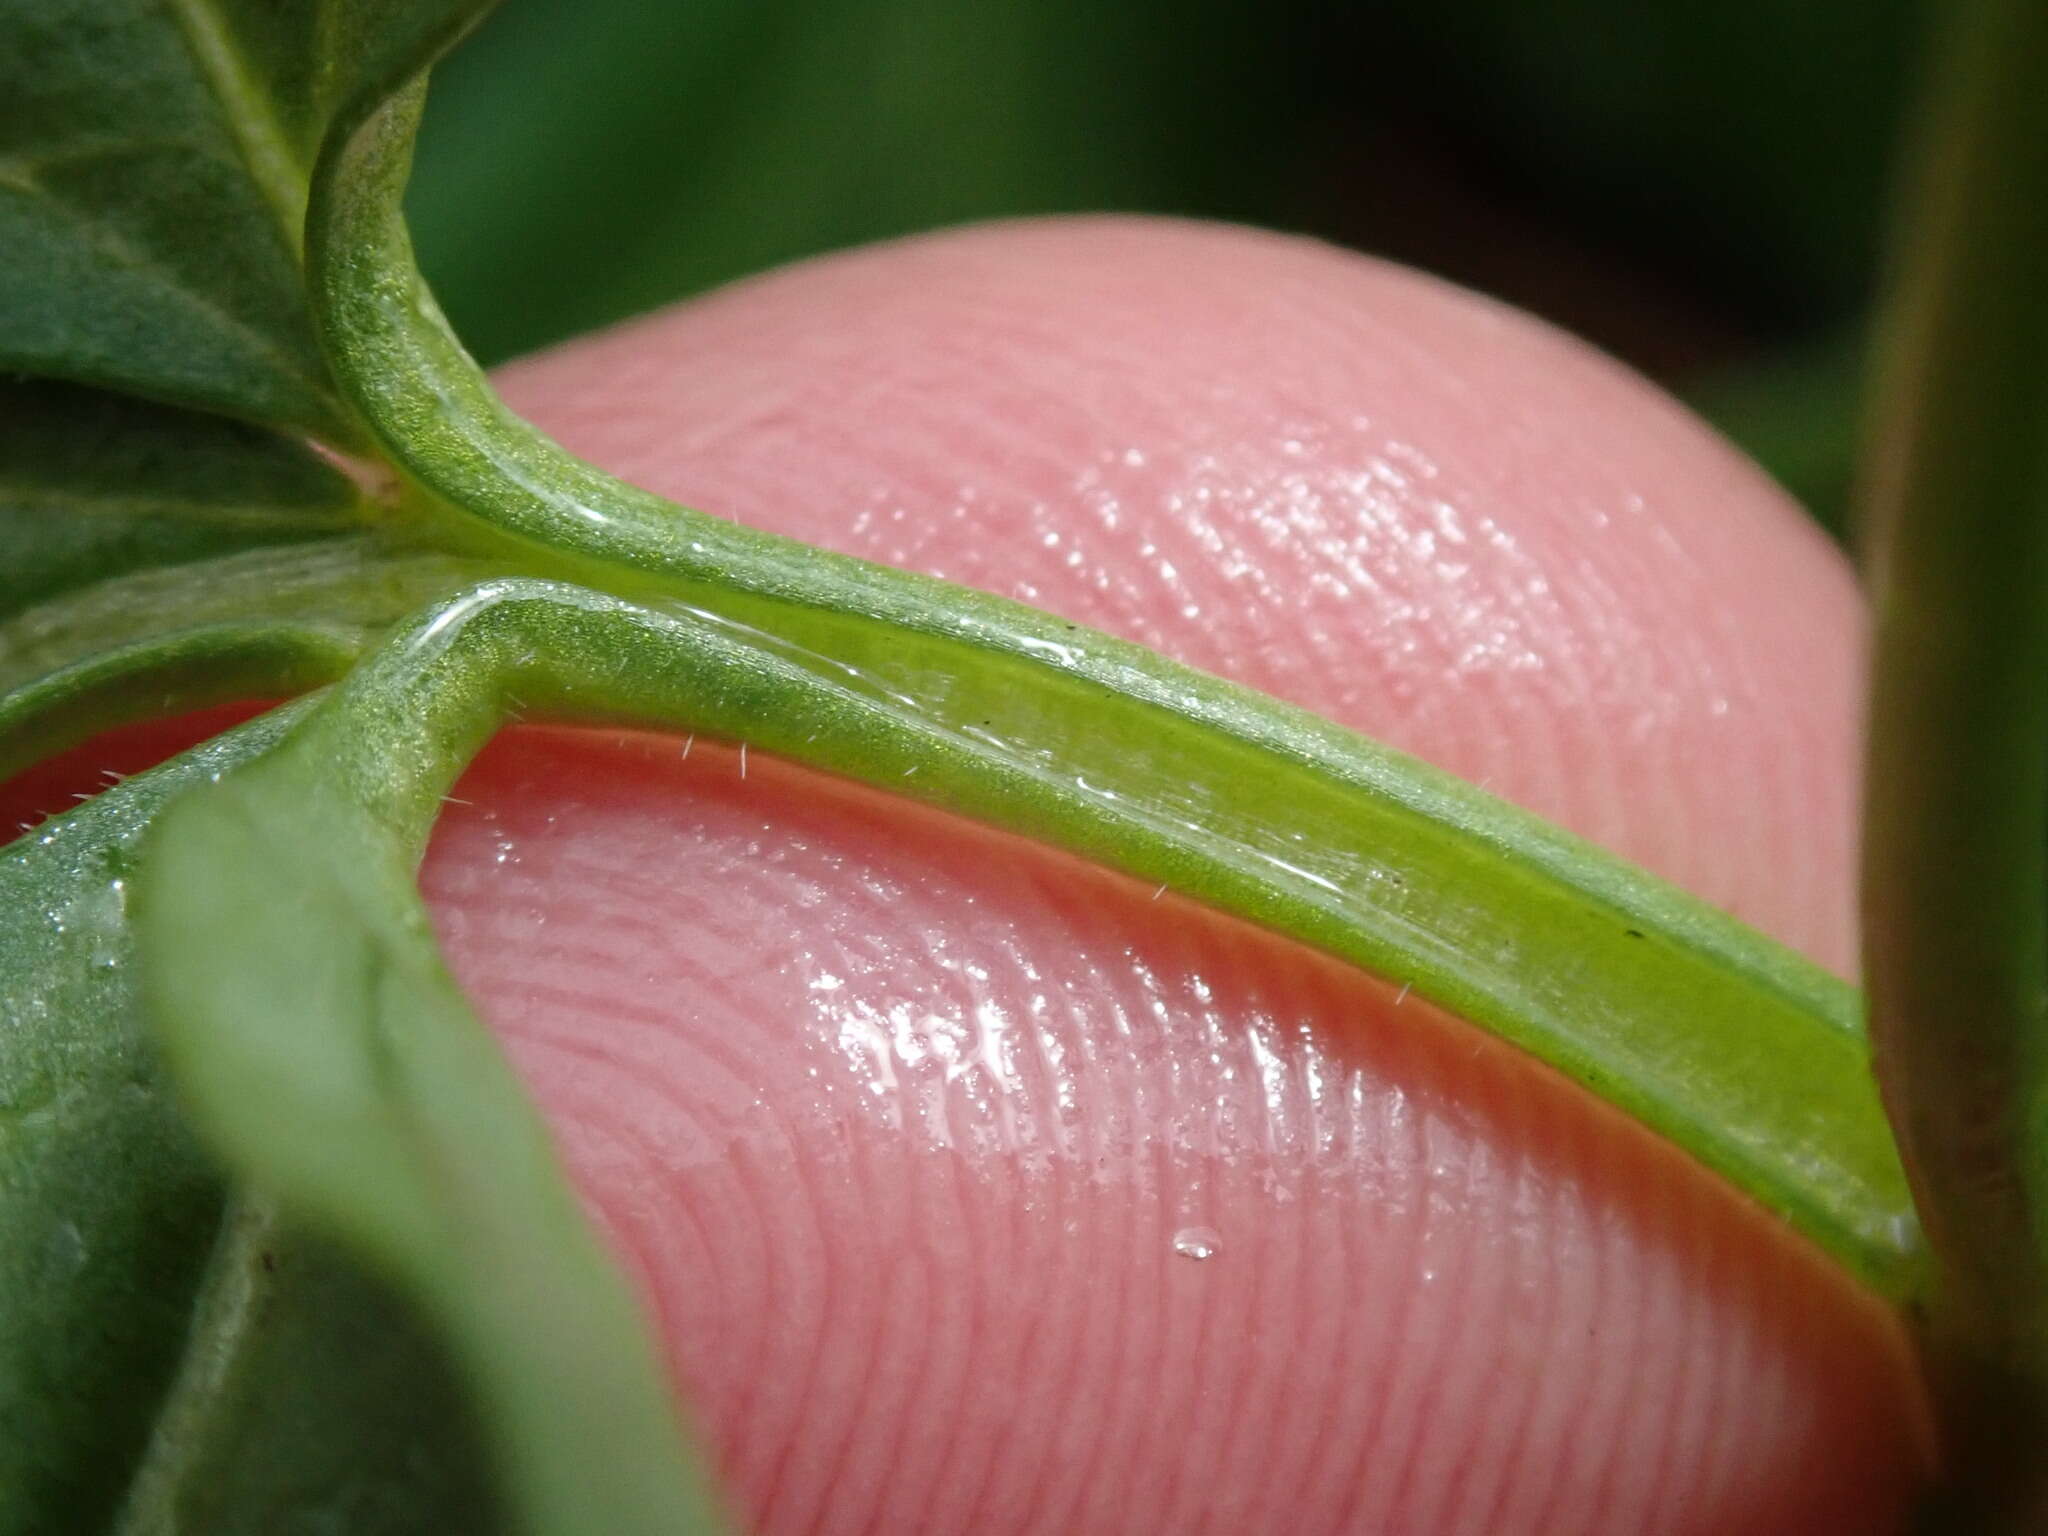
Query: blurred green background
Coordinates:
[1698,187]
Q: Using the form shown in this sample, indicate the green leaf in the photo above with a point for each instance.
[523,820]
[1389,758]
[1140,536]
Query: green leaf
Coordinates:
[107,1208]
[266,623]
[310,1399]
[1956,831]
[331,1058]
[1749,140]
[151,208]
[1707,1032]
[93,485]
[223,664]
[155,157]
[189,1371]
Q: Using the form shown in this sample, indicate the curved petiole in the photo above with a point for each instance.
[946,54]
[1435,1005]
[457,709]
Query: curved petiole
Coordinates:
[361,781]
[1712,1035]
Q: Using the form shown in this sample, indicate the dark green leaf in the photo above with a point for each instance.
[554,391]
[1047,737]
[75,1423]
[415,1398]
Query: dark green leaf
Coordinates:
[107,1209]
[192,1374]
[93,485]
[330,1057]
[1749,138]
[266,623]
[551,141]
[1796,415]
[309,1401]
[151,206]
[155,157]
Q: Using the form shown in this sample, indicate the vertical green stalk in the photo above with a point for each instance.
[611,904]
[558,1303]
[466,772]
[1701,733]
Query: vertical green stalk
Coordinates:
[1955,884]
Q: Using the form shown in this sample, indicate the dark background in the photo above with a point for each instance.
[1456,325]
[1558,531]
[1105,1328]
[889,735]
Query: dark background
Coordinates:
[1698,186]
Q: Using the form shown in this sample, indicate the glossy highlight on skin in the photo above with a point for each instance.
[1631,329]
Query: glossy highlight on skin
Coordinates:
[899,1119]
[900,1122]
[1726,1060]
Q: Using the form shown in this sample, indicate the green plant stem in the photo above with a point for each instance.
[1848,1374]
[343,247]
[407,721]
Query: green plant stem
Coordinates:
[262,624]
[325,1052]
[1956,851]
[1744,1054]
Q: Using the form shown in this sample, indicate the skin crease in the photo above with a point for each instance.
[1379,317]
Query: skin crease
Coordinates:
[911,1131]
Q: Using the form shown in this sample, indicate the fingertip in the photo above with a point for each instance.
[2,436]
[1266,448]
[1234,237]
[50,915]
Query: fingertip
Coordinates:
[1408,508]
[1390,501]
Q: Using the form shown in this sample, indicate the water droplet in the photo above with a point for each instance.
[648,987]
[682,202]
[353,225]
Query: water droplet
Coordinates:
[1196,1243]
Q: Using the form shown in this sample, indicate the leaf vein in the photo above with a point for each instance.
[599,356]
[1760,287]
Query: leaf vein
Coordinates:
[279,172]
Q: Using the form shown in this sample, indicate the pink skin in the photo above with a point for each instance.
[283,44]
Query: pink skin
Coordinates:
[901,1123]
[898,1119]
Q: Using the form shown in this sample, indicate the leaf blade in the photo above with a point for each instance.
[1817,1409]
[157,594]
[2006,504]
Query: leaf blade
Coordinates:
[328,1053]
[155,158]
[142,256]
[109,1206]
[267,622]
[280,168]
[304,1400]
[93,486]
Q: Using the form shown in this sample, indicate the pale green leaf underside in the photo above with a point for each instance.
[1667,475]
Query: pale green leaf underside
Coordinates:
[109,1205]
[266,623]
[155,159]
[351,585]
[327,1052]
[191,1376]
